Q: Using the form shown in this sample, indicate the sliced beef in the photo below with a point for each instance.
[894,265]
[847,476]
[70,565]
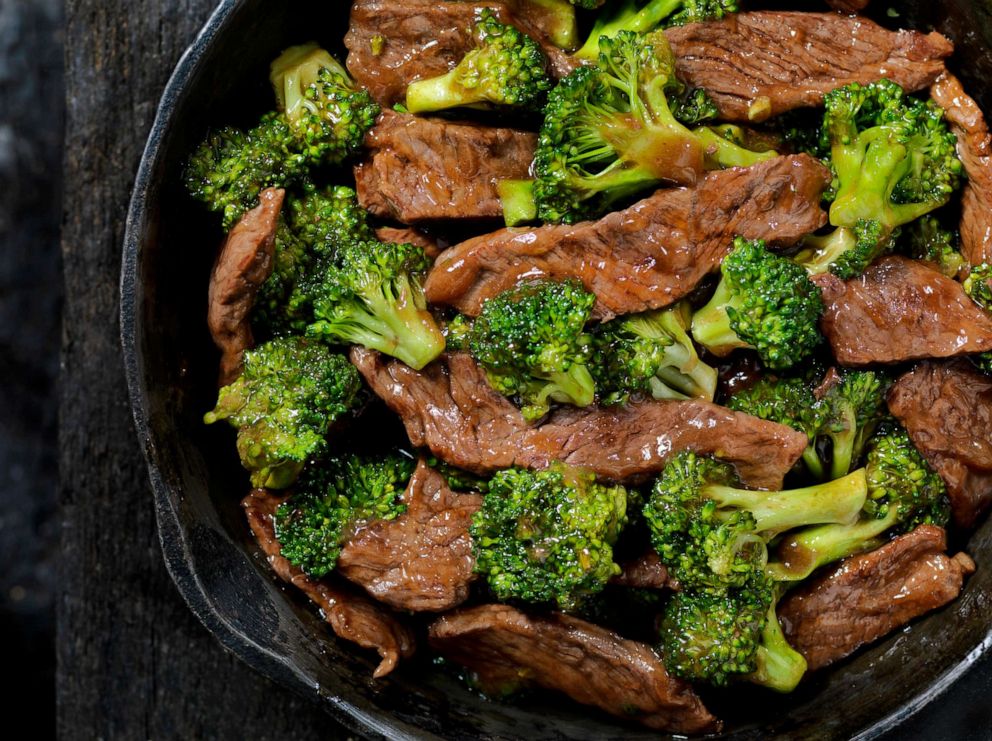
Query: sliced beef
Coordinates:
[758,65]
[424,169]
[868,596]
[947,410]
[649,255]
[644,572]
[407,235]
[506,649]
[450,408]
[901,309]
[848,6]
[975,151]
[352,616]
[421,560]
[243,265]
[391,44]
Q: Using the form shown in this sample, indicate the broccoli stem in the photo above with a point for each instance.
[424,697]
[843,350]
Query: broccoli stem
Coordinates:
[686,374]
[517,197]
[819,253]
[721,152]
[780,666]
[711,324]
[813,463]
[626,18]
[561,27]
[575,386]
[807,551]
[440,93]
[838,501]
[280,476]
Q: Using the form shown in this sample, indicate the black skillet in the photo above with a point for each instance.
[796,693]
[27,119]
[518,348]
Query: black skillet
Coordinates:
[171,371]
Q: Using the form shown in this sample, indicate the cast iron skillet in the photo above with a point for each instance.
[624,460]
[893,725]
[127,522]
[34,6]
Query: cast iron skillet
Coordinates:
[171,372]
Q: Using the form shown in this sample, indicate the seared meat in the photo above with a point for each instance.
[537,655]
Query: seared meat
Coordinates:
[450,408]
[406,235]
[758,65]
[865,597]
[391,44]
[645,572]
[422,560]
[352,616]
[649,255]
[505,649]
[901,309]
[243,265]
[423,169]
[947,410]
[848,6]
[975,151]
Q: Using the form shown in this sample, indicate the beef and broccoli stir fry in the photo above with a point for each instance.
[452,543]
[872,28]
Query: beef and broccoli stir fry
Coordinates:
[670,323]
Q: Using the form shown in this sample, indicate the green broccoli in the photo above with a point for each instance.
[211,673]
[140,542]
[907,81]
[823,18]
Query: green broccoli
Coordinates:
[610,131]
[332,500]
[978,285]
[547,536]
[289,393]
[894,161]
[506,68]
[531,340]
[323,118]
[765,302]
[559,22]
[903,493]
[314,228]
[641,17]
[650,354]
[713,535]
[925,239]
[370,293]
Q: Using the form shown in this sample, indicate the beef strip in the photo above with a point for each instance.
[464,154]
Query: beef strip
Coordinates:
[649,255]
[242,266]
[947,410]
[865,597]
[901,309]
[975,151]
[351,616]
[408,235]
[758,65]
[504,648]
[424,169]
[450,408]
[391,44]
[644,572]
[848,6]
[422,559]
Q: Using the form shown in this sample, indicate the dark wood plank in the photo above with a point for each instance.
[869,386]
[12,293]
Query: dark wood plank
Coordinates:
[132,660]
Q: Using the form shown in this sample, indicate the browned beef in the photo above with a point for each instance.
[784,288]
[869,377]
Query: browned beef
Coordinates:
[901,309]
[865,597]
[423,169]
[947,409]
[407,235]
[351,615]
[421,560]
[243,265]
[644,572]
[506,649]
[975,151]
[450,408]
[421,39]
[848,6]
[649,255]
[758,65]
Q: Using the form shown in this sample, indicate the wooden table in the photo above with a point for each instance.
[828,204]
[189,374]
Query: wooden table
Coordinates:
[133,663]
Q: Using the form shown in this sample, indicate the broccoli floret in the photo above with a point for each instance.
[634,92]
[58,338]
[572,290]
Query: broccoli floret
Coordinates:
[713,535]
[506,68]
[714,637]
[370,293]
[315,227]
[323,118]
[894,161]
[978,285]
[650,354]
[610,131]
[332,500]
[532,342]
[643,17]
[289,393]
[903,493]
[547,536]
[925,239]
[765,302]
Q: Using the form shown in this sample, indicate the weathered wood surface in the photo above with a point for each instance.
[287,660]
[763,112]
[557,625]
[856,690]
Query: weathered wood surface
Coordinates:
[133,662]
